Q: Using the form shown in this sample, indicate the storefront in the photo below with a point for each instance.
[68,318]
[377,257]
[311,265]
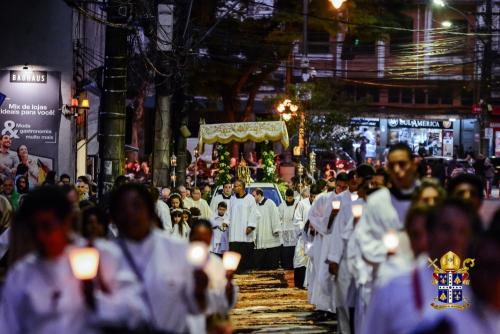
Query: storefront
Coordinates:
[433,136]
[368,130]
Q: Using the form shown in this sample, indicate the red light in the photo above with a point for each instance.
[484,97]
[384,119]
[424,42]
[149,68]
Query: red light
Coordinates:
[74,102]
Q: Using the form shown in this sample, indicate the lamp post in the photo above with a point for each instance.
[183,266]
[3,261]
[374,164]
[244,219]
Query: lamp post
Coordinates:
[196,156]
[173,164]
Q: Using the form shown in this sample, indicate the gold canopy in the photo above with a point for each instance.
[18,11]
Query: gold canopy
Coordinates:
[241,132]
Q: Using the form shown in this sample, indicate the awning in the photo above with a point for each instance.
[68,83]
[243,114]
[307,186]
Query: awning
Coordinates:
[241,132]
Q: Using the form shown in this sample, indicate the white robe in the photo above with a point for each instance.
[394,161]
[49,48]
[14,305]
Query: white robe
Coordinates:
[220,241]
[202,205]
[269,225]
[220,198]
[288,230]
[217,303]
[301,215]
[44,297]
[244,213]
[167,279]
[163,212]
[176,232]
[393,308]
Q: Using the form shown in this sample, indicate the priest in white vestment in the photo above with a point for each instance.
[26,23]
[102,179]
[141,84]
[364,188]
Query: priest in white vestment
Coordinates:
[195,201]
[267,240]
[244,219]
[288,233]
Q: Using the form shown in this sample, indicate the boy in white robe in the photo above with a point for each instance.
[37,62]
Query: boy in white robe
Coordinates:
[267,241]
[220,223]
[243,220]
[42,295]
[288,233]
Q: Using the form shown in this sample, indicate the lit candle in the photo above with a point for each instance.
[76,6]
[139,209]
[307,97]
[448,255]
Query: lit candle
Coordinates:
[354,197]
[231,260]
[84,262]
[391,240]
[336,205]
[197,254]
[357,210]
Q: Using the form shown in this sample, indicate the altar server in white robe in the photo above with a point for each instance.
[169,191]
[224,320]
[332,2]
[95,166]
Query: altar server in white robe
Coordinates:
[321,217]
[401,304]
[173,289]
[345,291]
[301,215]
[220,224]
[162,211]
[42,295]
[267,239]
[221,289]
[243,220]
[195,201]
[224,196]
[288,233]
[386,211]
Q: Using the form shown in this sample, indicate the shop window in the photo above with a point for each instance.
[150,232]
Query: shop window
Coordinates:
[393,95]
[447,97]
[373,94]
[466,97]
[406,95]
[360,93]
[419,96]
[433,97]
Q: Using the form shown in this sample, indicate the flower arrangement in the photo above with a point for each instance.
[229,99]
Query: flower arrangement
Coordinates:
[268,166]
[224,174]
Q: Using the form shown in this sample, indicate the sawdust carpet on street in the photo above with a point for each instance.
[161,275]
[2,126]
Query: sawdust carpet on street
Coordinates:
[268,303]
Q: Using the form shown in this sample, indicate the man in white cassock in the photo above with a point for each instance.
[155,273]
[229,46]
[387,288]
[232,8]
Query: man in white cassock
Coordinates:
[402,303]
[173,287]
[386,211]
[344,282]
[162,211]
[243,221]
[224,196]
[321,217]
[288,230]
[42,294]
[267,239]
[195,201]
[301,216]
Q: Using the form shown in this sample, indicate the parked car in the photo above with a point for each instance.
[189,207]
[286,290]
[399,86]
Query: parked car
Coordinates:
[270,190]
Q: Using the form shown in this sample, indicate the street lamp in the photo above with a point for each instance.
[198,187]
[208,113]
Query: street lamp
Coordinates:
[173,163]
[337,3]
[439,3]
[196,156]
[446,24]
[287,109]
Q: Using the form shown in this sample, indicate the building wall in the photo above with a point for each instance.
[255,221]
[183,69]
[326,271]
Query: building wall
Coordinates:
[39,33]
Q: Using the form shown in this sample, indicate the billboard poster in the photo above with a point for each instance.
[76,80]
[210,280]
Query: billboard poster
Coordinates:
[29,123]
[448,143]
[497,143]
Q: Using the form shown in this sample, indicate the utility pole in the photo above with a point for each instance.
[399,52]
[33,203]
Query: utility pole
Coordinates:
[486,74]
[163,122]
[112,111]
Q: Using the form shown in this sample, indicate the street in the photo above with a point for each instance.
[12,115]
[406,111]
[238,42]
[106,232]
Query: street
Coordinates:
[268,303]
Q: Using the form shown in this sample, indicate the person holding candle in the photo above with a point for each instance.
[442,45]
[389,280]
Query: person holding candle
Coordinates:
[221,288]
[244,219]
[43,293]
[173,288]
[268,240]
[344,284]
[220,223]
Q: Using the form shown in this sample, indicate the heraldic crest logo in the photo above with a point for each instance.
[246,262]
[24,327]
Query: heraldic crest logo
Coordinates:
[450,279]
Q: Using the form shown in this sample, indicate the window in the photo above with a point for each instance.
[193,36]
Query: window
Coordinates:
[393,95]
[419,96]
[466,97]
[406,95]
[433,97]
[447,97]
[373,94]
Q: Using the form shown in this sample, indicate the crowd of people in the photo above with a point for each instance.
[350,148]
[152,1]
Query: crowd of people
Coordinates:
[333,234]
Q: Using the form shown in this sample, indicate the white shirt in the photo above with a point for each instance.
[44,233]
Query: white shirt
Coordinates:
[288,230]
[221,198]
[163,212]
[269,225]
[167,278]
[201,204]
[244,213]
[176,231]
[220,241]
[43,296]
[301,214]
